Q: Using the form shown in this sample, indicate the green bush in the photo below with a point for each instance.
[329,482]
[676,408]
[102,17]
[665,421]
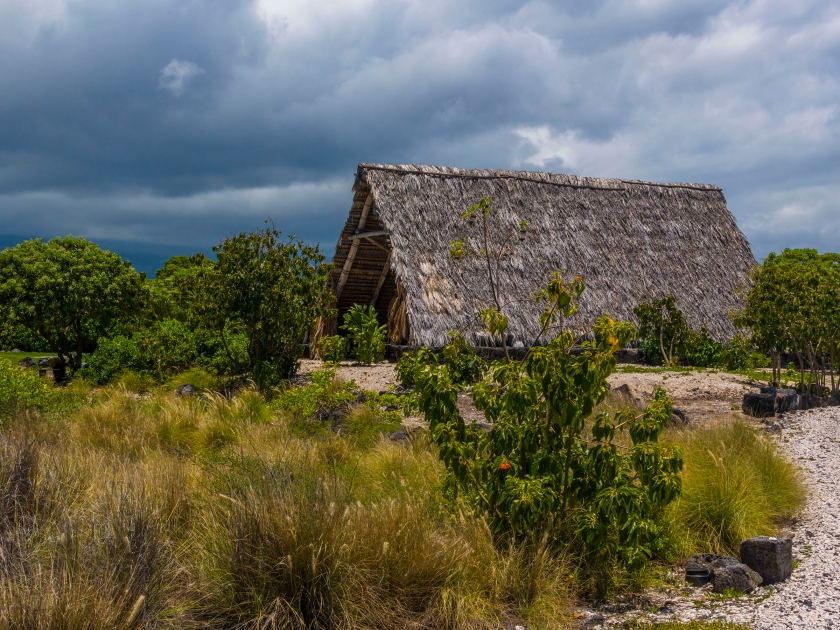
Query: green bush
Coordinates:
[22,388]
[740,354]
[158,352]
[367,335]
[332,349]
[464,365]
[698,349]
[410,362]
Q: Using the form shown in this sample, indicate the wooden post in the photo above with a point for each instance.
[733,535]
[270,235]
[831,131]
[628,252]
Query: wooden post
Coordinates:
[381,279]
[354,247]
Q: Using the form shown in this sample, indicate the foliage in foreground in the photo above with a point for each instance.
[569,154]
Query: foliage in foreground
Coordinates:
[221,513]
[535,468]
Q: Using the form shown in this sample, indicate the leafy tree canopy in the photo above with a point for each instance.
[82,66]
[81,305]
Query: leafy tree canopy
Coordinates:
[67,293]
[272,292]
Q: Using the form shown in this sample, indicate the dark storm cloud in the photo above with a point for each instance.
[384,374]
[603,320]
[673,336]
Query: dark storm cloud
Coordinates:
[164,122]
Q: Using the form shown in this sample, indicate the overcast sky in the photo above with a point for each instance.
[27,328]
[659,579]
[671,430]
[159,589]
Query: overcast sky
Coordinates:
[163,126]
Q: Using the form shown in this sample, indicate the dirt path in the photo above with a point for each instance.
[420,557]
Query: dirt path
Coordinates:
[701,395]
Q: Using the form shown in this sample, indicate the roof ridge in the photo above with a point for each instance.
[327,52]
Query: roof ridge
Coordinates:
[530,176]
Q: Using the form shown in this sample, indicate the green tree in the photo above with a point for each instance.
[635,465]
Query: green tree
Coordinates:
[67,292]
[793,306]
[269,291]
[662,328]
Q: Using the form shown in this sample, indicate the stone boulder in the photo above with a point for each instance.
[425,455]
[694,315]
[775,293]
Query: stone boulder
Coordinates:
[770,557]
[737,576]
[186,390]
[46,362]
[26,362]
[786,399]
[678,418]
[834,401]
[709,561]
[759,405]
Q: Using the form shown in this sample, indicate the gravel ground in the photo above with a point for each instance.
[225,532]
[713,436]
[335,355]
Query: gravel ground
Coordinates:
[811,597]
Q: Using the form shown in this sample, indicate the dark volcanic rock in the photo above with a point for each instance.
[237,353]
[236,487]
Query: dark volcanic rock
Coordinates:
[736,576]
[771,558]
[186,390]
[678,417]
[759,405]
[26,362]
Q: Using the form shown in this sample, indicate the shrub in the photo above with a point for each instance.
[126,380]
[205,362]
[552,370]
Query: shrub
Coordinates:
[740,354]
[158,353]
[367,335]
[464,365]
[410,362]
[332,349]
[269,291]
[533,467]
[698,349]
[22,389]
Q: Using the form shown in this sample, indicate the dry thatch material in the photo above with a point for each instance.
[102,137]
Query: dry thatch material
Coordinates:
[631,241]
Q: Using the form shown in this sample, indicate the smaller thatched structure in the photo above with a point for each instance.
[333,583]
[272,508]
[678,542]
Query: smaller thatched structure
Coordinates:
[631,241]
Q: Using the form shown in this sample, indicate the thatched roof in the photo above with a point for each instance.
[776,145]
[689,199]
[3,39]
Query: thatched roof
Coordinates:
[631,241]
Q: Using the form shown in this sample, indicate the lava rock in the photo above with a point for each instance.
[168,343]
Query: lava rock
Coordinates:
[834,401]
[399,435]
[45,362]
[709,561]
[786,399]
[26,362]
[770,557]
[678,417]
[186,390]
[759,405]
[623,390]
[736,576]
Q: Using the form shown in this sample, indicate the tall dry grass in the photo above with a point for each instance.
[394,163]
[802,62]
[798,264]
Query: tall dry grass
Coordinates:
[160,512]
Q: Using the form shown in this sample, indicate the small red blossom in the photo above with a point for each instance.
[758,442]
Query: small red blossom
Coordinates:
[505,466]
[579,278]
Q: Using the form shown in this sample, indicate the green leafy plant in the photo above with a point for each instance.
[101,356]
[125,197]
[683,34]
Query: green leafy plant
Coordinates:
[698,349]
[367,335]
[464,365]
[535,466]
[662,329]
[332,348]
[412,361]
[20,389]
[159,352]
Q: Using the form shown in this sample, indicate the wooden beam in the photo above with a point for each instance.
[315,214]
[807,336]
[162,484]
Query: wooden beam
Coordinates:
[381,280]
[371,234]
[354,247]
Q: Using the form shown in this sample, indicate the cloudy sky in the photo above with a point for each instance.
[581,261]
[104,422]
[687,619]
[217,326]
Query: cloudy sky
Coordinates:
[162,126]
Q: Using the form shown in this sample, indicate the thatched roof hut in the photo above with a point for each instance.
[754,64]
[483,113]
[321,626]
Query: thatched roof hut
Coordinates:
[631,241]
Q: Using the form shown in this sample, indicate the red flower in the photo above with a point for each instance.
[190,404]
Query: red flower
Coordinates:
[505,466]
[578,278]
